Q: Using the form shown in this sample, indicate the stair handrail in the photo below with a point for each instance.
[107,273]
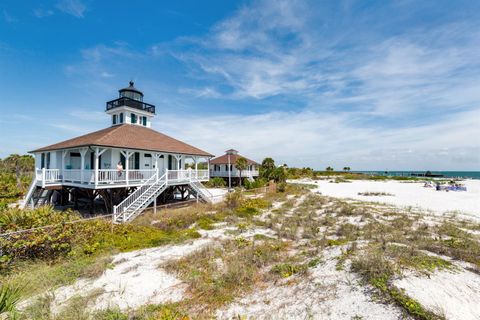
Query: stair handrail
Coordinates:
[202,189]
[122,206]
[133,213]
[31,189]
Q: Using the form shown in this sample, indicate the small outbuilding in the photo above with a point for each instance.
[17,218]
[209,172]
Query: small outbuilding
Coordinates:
[224,167]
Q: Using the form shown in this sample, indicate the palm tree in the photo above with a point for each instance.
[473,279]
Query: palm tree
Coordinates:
[241,164]
[267,168]
[346,168]
[329,169]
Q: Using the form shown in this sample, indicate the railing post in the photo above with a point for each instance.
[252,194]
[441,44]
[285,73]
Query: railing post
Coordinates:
[166,177]
[43,177]
[114,213]
[127,164]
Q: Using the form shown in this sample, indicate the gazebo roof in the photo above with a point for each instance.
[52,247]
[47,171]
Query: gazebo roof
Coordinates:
[233,158]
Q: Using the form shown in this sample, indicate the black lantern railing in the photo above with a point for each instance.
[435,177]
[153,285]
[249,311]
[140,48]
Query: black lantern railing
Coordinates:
[132,103]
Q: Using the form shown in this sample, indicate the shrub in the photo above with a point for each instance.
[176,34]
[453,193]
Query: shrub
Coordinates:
[258,183]
[74,239]
[216,182]
[205,223]
[251,207]
[233,200]
[281,187]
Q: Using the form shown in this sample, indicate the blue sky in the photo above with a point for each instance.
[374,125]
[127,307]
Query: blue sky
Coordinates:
[369,84]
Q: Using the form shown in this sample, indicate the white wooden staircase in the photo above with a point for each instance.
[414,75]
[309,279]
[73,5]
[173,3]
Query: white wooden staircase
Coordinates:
[36,196]
[141,198]
[201,191]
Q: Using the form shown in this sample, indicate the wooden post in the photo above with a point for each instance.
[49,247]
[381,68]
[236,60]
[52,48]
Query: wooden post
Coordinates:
[127,162]
[64,153]
[155,206]
[156,165]
[208,168]
[83,152]
[43,177]
[195,159]
[113,216]
[96,167]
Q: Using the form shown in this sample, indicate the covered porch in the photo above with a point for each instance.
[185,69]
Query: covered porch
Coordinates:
[103,167]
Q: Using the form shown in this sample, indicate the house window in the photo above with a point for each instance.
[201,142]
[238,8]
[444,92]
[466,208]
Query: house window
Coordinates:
[144,121]
[133,118]
[75,161]
[48,160]
[121,117]
[114,119]
[122,160]
[43,161]
[136,161]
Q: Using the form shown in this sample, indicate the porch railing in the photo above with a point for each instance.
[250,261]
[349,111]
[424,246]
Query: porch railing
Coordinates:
[112,176]
[187,175]
[224,173]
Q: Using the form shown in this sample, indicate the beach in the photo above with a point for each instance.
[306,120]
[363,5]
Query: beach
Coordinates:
[406,194]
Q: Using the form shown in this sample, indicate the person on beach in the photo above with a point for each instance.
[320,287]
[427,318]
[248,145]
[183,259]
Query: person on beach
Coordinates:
[119,168]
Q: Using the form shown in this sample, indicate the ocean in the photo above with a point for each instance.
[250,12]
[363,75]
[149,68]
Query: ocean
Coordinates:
[446,174]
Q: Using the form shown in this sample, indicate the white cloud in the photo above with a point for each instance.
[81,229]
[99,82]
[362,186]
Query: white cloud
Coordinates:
[318,139]
[75,8]
[43,13]
[290,48]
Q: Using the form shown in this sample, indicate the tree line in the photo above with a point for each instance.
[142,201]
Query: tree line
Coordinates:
[16,173]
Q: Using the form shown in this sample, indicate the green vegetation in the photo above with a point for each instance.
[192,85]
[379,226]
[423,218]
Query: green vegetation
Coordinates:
[219,273]
[9,297]
[16,173]
[269,171]
[343,176]
[215,182]
[375,194]
[60,254]
[378,272]
[257,183]
[73,239]
[250,207]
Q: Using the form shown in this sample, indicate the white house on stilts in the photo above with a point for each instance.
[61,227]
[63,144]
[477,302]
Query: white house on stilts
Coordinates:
[224,167]
[128,165]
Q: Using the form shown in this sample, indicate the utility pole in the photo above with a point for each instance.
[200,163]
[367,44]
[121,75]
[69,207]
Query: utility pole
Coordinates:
[229,174]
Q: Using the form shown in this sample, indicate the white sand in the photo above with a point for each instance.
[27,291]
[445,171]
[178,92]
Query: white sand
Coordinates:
[454,294]
[218,194]
[136,278]
[327,293]
[408,195]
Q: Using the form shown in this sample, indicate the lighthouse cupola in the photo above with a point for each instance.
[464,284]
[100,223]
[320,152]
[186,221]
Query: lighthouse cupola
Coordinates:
[131,92]
[129,108]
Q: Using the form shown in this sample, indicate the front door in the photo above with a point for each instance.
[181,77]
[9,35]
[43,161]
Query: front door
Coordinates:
[148,162]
